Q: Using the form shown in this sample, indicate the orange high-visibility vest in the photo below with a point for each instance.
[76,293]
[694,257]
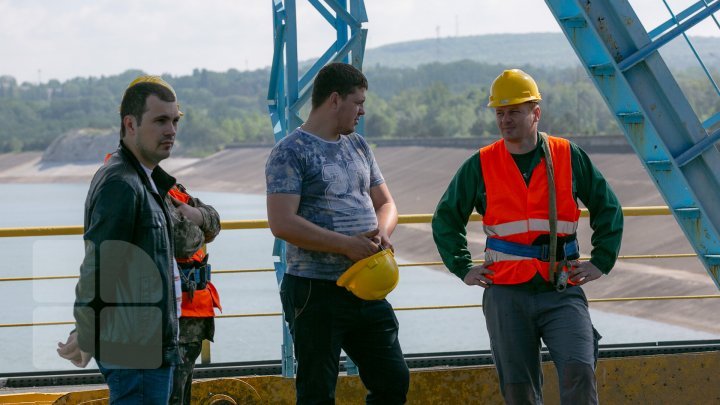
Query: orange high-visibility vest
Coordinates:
[203,303]
[518,213]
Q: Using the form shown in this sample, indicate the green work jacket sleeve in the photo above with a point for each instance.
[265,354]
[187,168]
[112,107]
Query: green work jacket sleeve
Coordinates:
[466,192]
[606,217]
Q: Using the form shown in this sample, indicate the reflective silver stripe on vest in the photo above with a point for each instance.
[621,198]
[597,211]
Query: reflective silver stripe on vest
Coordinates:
[535,225]
[566,227]
[495,257]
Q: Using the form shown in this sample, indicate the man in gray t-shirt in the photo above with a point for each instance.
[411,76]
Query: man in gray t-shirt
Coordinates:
[328,200]
[333,181]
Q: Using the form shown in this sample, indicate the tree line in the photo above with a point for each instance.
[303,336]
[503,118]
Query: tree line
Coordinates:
[224,108]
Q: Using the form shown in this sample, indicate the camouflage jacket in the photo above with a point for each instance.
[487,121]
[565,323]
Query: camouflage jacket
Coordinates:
[187,236]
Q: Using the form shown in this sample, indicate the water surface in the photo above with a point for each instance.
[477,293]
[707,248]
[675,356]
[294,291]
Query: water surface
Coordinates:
[237,339]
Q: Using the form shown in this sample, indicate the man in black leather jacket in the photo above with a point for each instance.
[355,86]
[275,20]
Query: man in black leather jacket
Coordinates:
[128,295]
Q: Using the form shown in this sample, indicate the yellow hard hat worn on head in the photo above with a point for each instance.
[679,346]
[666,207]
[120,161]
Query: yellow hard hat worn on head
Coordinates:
[513,87]
[156,80]
[372,278]
[152,79]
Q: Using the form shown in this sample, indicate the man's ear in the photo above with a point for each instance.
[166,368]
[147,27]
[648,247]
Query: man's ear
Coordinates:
[334,99]
[129,123]
[537,112]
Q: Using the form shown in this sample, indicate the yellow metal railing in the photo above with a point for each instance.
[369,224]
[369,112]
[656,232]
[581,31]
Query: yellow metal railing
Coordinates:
[263,223]
[78,230]
[418,308]
[413,264]
[403,219]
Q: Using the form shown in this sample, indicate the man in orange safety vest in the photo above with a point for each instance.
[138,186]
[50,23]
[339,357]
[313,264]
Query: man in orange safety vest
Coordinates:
[526,185]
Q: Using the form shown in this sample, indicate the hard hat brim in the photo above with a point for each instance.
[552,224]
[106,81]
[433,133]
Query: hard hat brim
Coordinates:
[505,103]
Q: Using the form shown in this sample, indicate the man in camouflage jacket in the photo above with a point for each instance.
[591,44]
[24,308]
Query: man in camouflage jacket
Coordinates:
[194,225]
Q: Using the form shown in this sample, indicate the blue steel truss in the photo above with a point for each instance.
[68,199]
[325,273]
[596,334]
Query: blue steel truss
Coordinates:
[289,91]
[676,146]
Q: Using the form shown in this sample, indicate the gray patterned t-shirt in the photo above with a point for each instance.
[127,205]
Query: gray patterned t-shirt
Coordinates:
[333,180]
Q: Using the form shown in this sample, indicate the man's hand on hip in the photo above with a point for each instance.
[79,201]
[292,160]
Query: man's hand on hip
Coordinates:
[477,275]
[583,272]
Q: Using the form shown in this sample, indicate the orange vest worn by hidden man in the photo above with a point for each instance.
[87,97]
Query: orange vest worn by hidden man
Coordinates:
[203,301]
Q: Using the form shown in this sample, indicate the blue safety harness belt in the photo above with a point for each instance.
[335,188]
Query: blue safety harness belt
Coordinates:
[540,252]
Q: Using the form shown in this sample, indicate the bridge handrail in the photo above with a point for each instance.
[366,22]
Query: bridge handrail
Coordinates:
[417,308]
[263,223]
[413,264]
[403,219]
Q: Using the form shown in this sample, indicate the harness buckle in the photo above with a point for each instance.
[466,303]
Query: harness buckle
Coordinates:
[544,253]
[562,279]
[195,278]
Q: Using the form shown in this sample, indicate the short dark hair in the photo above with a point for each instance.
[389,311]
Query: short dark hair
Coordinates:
[134,101]
[337,77]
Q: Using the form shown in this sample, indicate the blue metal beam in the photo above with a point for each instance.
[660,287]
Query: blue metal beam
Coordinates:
[698,149]
[672,22]
[712,121]
[663,129]
[653,46]
[323,11]
[692,47]
[338,56]
[276,104]
[342,14]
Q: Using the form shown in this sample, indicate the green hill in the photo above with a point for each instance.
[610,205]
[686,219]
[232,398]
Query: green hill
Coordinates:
[538,49]
[419,89]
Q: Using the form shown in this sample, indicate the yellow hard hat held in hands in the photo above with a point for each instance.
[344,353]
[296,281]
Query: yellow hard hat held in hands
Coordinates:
[513,87]
[372,278]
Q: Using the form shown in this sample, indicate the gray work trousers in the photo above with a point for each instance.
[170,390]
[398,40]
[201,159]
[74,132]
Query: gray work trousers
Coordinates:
[517,317]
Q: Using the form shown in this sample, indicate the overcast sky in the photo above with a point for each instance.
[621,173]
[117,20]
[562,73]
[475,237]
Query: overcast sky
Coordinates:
[61,39]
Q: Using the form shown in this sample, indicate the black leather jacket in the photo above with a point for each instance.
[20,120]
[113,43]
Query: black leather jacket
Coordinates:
[125,307]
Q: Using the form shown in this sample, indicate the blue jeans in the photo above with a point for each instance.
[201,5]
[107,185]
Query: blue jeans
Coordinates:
[137,386]
[323,319]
